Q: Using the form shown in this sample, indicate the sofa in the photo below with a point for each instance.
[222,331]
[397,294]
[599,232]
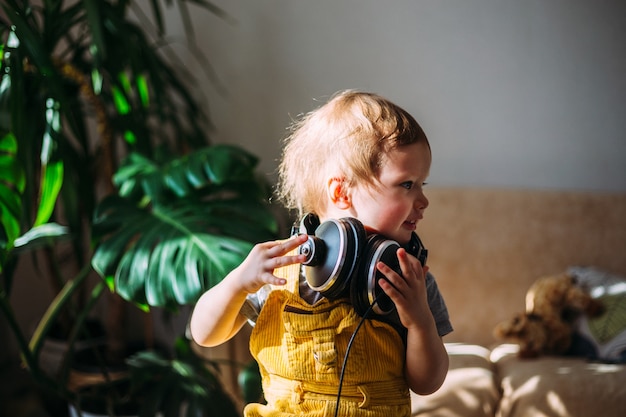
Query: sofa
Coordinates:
[486,248]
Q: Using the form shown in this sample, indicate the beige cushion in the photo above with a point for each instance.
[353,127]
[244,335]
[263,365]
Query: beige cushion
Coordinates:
[469,389]
[558,386]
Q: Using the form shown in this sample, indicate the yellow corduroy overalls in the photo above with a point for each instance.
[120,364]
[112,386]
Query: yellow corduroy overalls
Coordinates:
[300,349]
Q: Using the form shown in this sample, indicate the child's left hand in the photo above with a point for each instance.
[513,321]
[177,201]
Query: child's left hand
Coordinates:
[426,357]
[407,291]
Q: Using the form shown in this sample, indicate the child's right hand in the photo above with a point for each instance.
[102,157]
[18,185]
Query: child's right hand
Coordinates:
[216,317]
[258,268]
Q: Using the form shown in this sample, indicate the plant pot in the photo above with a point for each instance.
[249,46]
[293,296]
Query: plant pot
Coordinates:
[55,346]
[101,385]
[102,382]
[98,364]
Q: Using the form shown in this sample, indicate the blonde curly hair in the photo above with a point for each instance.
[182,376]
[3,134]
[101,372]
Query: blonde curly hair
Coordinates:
[346,138]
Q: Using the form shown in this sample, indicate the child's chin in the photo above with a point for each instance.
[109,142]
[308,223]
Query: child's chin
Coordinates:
[402,238]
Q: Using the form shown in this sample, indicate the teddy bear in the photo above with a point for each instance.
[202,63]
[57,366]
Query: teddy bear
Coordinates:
[553,303]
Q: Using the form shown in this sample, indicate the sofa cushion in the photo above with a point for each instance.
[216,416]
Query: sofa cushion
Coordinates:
[557,386]
[469,389]
[604,337]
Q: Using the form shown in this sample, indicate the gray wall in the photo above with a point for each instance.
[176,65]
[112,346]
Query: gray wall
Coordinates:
[511,93]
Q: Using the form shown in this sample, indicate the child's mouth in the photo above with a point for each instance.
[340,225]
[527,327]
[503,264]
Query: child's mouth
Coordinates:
[410,224]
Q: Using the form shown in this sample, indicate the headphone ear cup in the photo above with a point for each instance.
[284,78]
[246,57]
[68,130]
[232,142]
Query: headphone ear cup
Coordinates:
[343,240]
[365,289]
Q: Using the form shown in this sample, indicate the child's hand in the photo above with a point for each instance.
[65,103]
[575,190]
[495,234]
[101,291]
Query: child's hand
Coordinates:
[258,267]
[216,317]
[408,292]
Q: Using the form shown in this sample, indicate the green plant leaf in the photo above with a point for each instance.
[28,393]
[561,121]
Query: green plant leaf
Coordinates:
[165,257]
[12,185]
[218,165]
[249,380]
[143,90]
[51,167]
[121,104]
[28,36]
[98,47]
[158,16]
[41,236]
[5,101]
[51,182]
[205,212]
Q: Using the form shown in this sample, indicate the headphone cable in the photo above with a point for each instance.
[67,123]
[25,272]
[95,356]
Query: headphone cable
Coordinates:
[345,358]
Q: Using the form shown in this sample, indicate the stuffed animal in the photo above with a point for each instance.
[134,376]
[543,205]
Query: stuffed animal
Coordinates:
[553,304]
[535,336]
[559,297]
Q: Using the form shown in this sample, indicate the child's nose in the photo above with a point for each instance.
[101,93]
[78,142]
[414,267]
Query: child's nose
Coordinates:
[421,202]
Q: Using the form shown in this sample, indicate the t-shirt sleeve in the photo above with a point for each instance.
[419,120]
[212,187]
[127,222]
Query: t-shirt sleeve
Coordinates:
[253,304]
[438,306]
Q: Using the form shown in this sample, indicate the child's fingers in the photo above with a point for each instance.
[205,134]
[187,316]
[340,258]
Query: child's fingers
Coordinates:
[280,261]
[273,279]
[286,246]
[409,265]
[405,263]
[394,280]
[276,258]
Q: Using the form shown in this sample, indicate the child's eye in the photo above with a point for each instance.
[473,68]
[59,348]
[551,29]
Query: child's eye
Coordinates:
[410,185]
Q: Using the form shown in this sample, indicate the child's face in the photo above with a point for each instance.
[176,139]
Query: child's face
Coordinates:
[395,205]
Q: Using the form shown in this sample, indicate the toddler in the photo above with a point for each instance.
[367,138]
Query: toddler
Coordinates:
[361,157]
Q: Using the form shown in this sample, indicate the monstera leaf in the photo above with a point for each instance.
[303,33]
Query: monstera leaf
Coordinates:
[176,230]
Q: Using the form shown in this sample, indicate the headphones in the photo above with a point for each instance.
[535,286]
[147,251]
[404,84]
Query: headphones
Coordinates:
[341,261]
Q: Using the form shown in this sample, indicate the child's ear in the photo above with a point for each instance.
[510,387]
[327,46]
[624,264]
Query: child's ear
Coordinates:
[338,193]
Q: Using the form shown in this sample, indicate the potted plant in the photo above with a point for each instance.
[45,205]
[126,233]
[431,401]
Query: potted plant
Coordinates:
[104,154]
